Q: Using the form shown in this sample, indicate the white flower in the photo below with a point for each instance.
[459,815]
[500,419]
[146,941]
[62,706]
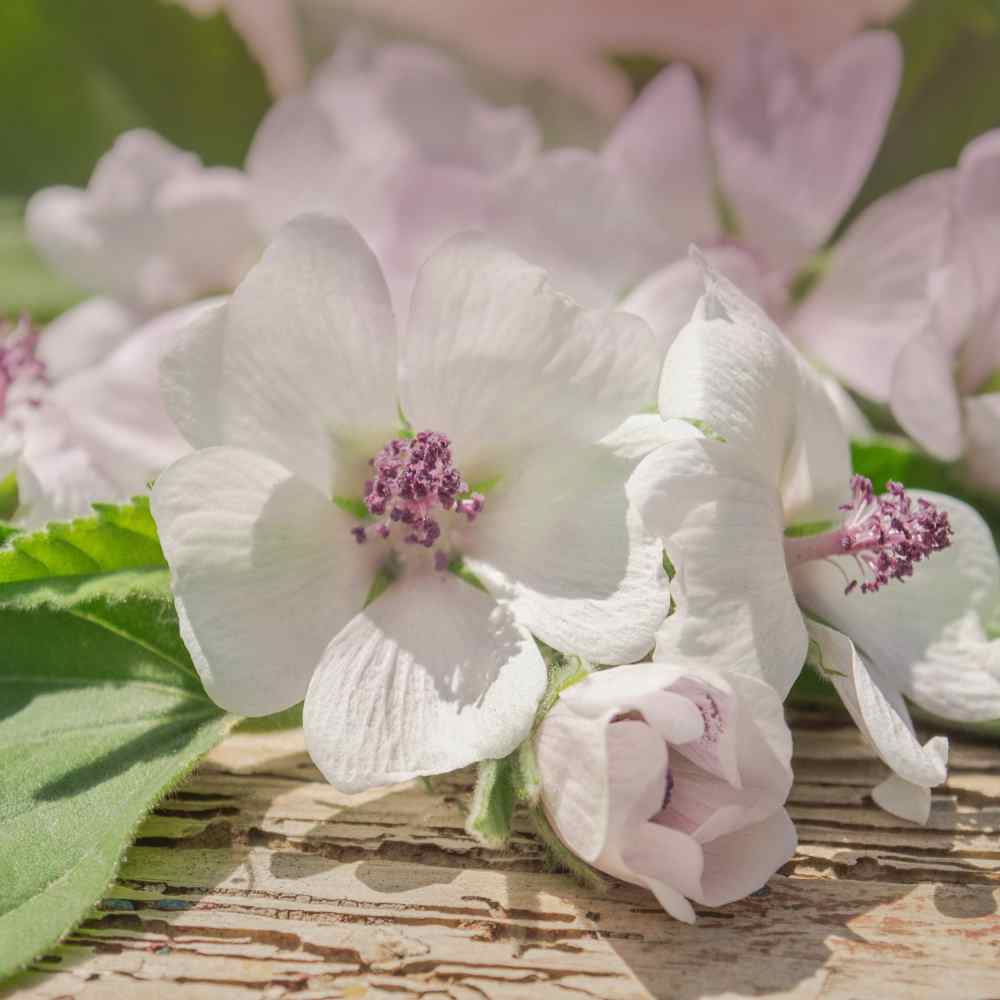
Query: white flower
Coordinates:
[393,139]
[751,596]
[293,393]
[909,309]
[672,780]
[153,229]
[76,426]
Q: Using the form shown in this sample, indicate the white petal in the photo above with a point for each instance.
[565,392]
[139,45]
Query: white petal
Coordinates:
[741,862]
[794,146]
[878,710]
[265,572]
[561,545]
[489,341]
[302,359]
[666,300]
[925,636]
[662,142]
[873,295]
[923,395]
[816,478]
[84,335]
[902,798]
[732,372]
[982,453]
[723,530]
[595,255]
[432,676]
[640,435]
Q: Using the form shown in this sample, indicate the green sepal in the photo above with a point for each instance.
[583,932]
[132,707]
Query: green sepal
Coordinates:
[491,813]
[559,857]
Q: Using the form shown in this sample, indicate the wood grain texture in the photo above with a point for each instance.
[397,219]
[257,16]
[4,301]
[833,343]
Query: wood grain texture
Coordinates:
[257,879]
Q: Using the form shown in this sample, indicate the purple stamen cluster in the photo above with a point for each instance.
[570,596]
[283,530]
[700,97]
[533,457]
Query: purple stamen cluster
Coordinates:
[411,478]
[18,363]
[889,534]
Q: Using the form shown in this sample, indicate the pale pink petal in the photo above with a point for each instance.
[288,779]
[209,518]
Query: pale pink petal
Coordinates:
[662,142]
[84,335]
[741,862]
[873,295]
[113,410]
[596,255]
[794,145]
[924,397]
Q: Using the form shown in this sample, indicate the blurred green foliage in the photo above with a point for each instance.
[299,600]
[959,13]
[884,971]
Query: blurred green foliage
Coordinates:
[76,73]
[950,91]
[27,284]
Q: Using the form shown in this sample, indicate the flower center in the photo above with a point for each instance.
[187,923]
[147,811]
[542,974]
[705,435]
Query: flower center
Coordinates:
[413,479]
[886,535]
[19,368]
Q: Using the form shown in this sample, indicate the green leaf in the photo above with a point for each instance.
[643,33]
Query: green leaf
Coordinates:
[9,498]
[491,813]
[29,285]
[950,91]
[115,538]
[76,73]
[101,713]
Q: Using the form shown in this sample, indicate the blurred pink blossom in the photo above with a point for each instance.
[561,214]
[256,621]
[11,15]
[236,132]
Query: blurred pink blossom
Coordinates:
[785,146]
[908,310]
[89,425]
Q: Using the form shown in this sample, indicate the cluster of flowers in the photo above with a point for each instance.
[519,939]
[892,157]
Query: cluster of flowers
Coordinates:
[402,468]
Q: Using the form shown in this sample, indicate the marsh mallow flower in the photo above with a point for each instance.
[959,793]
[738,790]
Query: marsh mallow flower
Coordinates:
[781,554]
[908,311]
[672,779]
[379,521]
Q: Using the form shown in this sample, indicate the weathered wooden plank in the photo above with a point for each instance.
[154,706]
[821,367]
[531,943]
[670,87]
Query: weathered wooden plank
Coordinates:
[259,880]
